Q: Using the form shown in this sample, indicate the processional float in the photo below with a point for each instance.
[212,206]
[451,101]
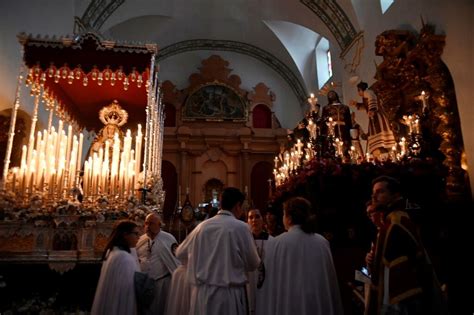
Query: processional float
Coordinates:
[100,152]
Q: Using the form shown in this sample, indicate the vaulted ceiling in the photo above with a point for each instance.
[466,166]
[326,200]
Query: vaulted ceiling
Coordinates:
[281,34]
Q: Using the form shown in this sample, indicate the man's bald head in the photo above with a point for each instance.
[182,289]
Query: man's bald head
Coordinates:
[152,225]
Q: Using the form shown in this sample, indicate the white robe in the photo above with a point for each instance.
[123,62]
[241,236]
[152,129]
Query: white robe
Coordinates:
[179,294]
[262,247]
[158,261]
[115,293]
[219,253]
[300,276]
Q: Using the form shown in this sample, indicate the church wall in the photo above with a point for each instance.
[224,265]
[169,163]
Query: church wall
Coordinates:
[250,70]
[451,18]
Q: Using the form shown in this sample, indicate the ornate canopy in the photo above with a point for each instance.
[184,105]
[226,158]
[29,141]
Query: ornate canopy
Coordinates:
[85,73]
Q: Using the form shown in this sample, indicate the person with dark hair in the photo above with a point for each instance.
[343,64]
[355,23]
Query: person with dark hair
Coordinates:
[380,138]
[272,224]
[154,249]
[403,279]
[219,252]
[300,275]
[115,292]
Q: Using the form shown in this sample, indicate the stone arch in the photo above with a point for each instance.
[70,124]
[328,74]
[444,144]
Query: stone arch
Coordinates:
[242,48]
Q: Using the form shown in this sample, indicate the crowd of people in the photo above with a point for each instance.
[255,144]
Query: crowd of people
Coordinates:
[229,266]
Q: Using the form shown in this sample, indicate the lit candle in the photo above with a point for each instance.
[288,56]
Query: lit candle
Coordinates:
[313,101]
[68,144]
[416,126]
[15,174]
[299,145]
[423,100]
[138,150]
[79,157]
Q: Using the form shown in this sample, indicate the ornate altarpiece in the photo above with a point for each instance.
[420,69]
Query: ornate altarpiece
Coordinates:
[217,145]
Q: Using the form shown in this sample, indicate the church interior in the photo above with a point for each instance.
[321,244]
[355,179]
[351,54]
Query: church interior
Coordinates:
[113,109]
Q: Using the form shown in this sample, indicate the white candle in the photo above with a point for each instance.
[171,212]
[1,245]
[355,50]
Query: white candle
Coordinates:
[68,144]
[85,179]
[79,156]
[138,150]
[15,174]
[423,100]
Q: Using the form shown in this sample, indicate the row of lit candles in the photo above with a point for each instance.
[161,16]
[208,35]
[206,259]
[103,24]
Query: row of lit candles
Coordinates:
[115,175]
[290,161]
[52,162]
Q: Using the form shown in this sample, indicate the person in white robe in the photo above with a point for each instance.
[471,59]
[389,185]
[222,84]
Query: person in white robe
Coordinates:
[115,293]
[219,253]
[156,258]
[300,276]
[180,292]
[261,238]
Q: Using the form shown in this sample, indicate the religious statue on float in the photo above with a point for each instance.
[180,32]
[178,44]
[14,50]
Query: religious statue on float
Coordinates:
[336,122]
[113,117]
[380,138]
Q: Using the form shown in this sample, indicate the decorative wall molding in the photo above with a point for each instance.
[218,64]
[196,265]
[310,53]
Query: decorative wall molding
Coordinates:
[335,19]
[99,11]
[227,45]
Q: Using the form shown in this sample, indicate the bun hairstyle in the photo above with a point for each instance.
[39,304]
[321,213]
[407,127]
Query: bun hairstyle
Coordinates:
[362,86]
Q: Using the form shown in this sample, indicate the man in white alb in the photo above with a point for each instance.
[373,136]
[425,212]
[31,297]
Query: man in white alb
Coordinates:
[219,253]
[157,260]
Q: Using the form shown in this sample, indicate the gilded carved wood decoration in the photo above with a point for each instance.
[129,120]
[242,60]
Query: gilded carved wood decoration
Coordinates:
[215,94]
[411,64]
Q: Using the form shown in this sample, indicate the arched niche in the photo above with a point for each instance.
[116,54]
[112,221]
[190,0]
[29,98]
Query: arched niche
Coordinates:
[261,102]
[212,189]
[216,170]
[259,187]
[170,115]
[261,116]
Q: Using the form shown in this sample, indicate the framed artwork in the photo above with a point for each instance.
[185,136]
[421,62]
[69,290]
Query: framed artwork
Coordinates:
[215,102]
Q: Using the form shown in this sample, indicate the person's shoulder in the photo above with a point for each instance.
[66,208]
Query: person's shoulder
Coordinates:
[119,254]
[320,239]
[168,236]
[238,224]
[142,238]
